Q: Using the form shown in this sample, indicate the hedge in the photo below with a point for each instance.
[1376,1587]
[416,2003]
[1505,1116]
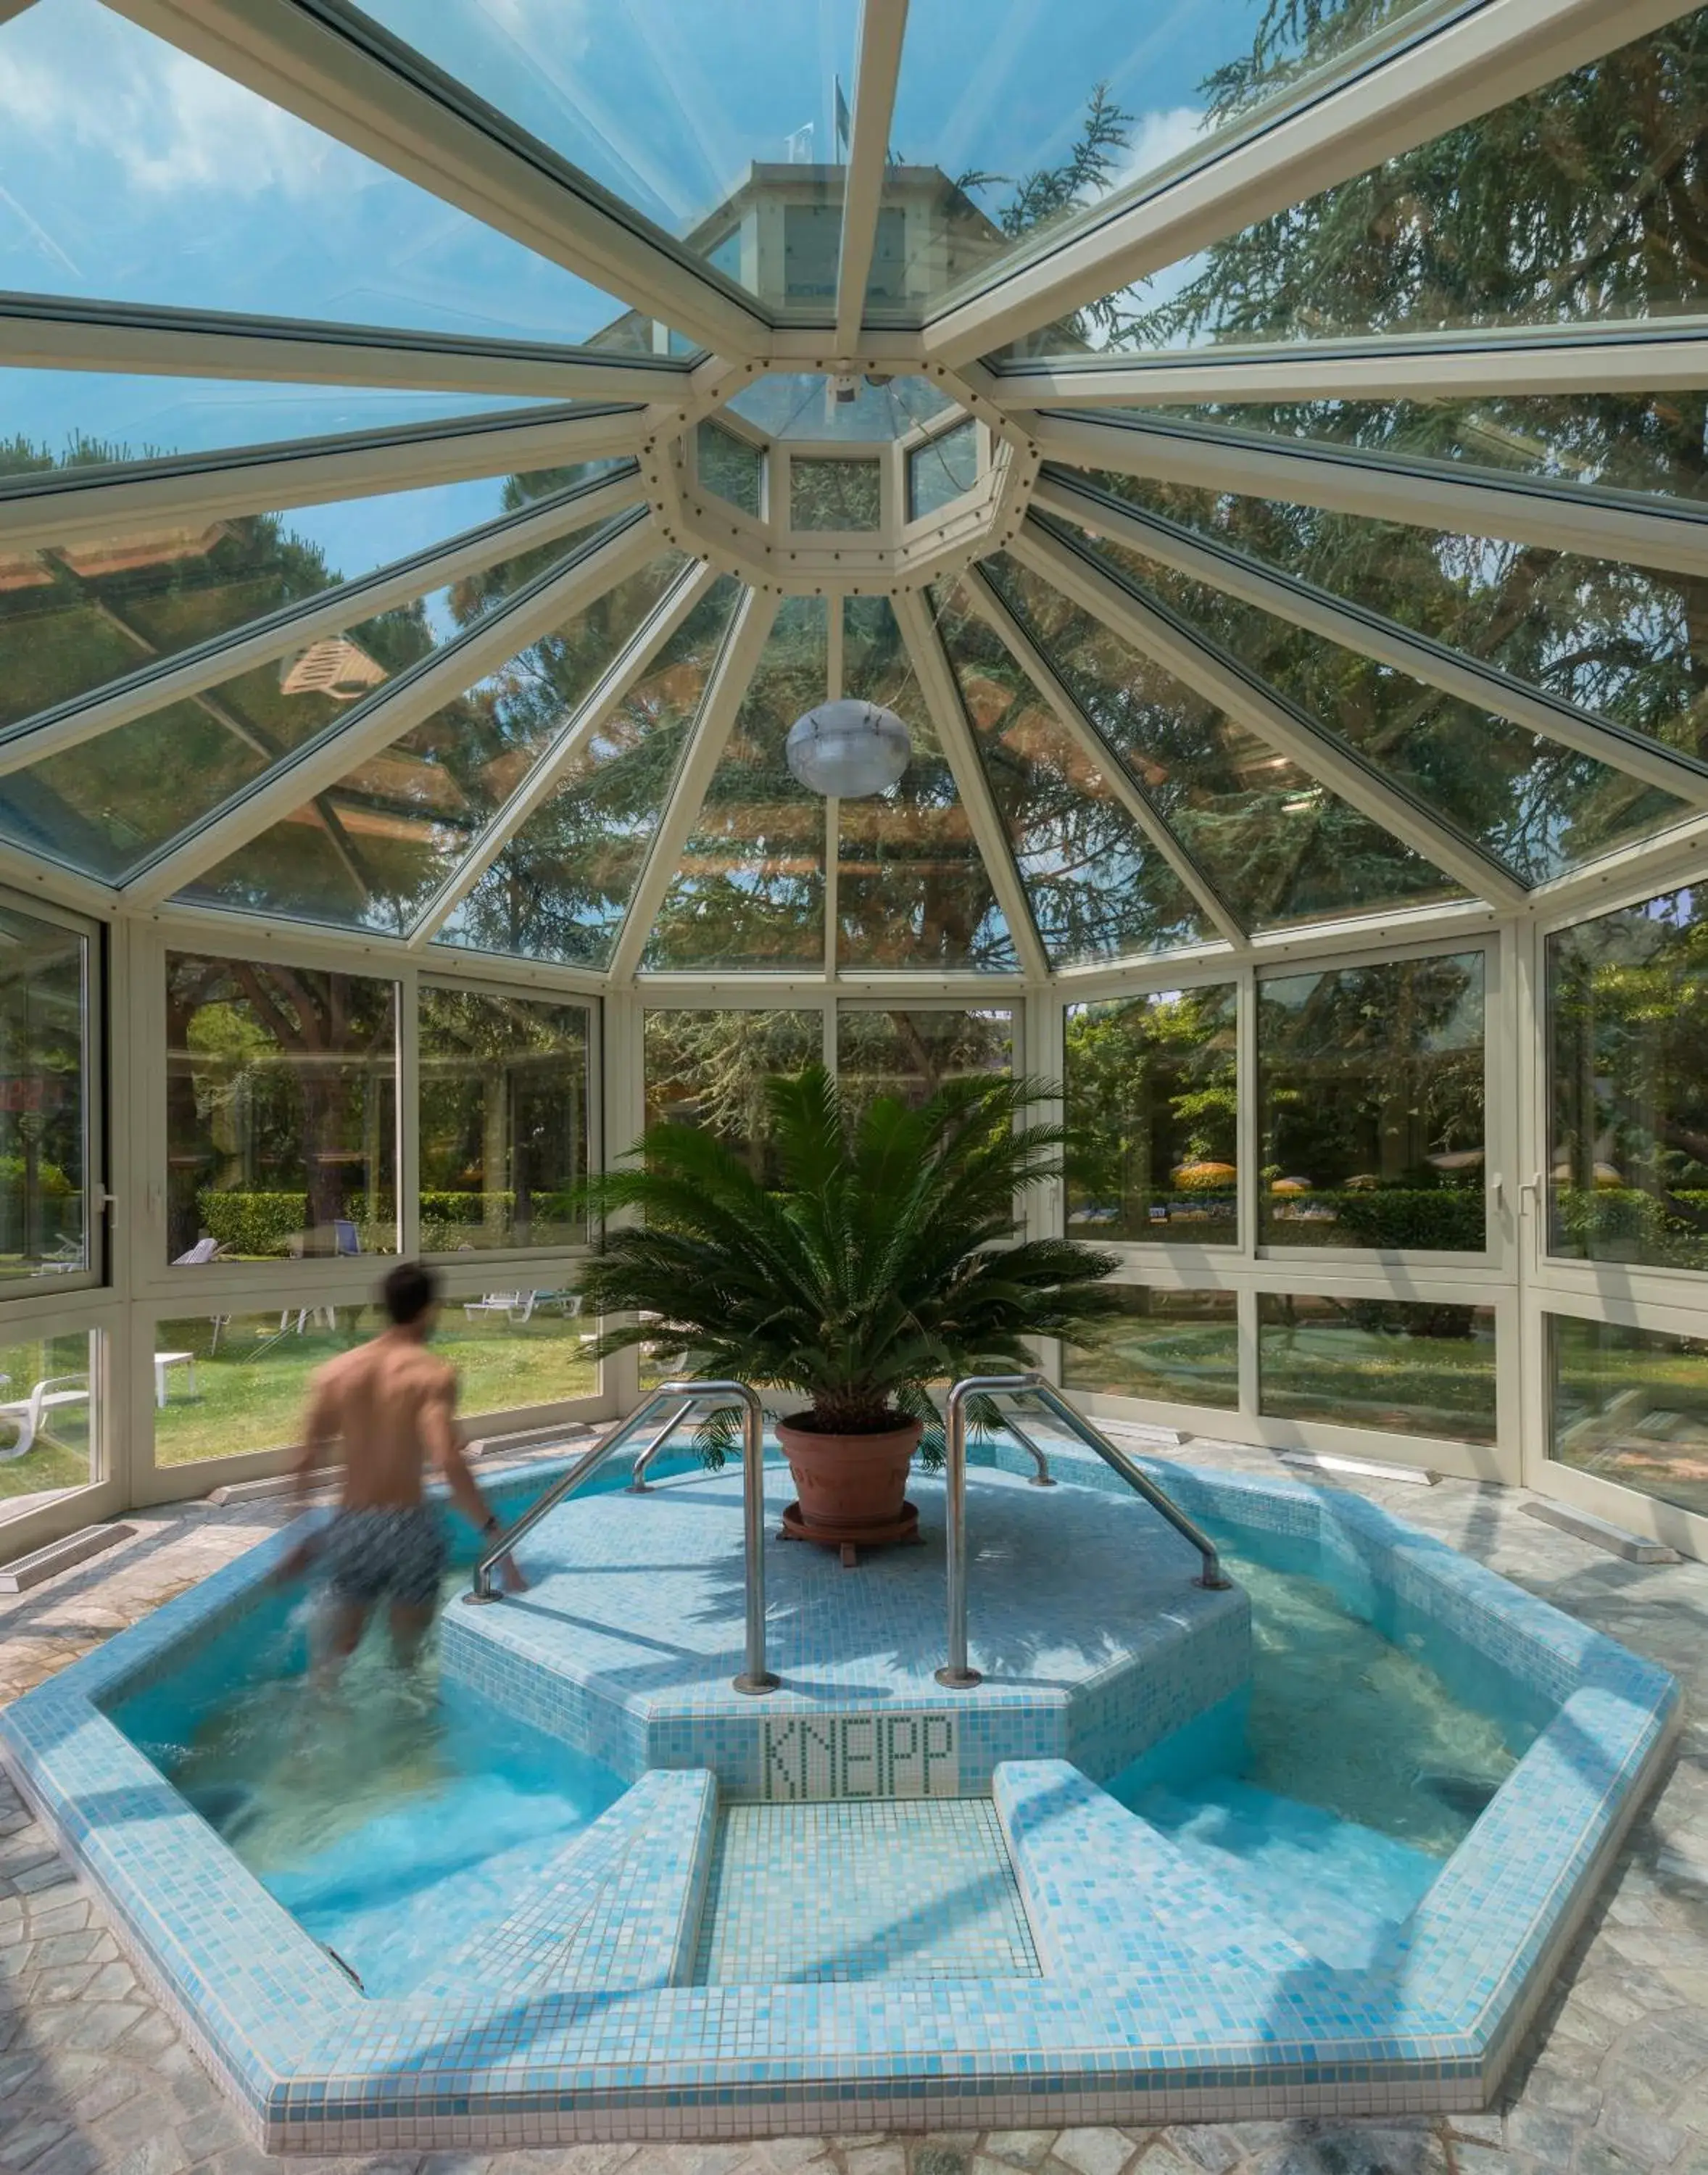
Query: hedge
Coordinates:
[265,1223]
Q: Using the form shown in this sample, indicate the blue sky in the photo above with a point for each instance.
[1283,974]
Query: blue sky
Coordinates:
[130,171]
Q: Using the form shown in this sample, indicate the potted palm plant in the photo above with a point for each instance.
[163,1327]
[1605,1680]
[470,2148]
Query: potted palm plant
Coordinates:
[886,1258]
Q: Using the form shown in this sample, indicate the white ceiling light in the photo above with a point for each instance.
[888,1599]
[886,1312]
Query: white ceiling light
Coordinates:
[847,750]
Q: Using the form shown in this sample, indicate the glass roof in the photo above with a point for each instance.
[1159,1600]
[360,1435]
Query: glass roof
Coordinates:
[547,727]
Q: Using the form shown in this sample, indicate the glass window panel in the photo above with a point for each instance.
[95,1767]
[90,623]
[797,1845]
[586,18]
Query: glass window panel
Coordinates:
[911,1053]
[561,888]
[236,1384]
[1180,1347]
[1540,806]
[281,1124]
[1278,846]
[704,119]
[50,1387]
[1656,442]
[750,888]
[1630,1406]
[1151,1086]
[503,1121]
[1618,641]
[140,174]
[73,616]
[1370,1105]
[713,1069]
[395,827]
[813,405]
[731,468]
[838,494]
[1628,1086]
[1097,886]
[44,1101]
[912,887]
[97,415]
[1562,206]
[1036,124]
[942,471]
[114,802]
[1407,1366]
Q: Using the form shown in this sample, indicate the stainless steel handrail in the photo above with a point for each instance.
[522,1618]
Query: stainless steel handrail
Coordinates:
[958,1673]
[1043,1477]
[755,1677]
[653,1447]
[1117,1460]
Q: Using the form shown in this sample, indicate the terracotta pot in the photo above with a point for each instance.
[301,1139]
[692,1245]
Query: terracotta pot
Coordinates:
[852,1487]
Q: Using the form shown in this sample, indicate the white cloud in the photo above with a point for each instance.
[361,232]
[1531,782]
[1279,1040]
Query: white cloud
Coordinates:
[1160,136]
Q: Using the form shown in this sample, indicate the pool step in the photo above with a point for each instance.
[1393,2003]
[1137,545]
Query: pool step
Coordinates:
[897,1888]
[620,1906]
[1108,1893]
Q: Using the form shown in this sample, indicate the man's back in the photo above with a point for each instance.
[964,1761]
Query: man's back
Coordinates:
[390,1401]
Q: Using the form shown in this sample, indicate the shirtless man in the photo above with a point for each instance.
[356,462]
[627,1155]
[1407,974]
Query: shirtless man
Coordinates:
[392,1404]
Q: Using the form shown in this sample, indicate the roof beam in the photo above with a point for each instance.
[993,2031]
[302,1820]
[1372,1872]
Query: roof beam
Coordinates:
[600,564]
[1425,74]
[42,332]
[1371,634]
[612,687]
[61,505]
[332,611]
[1636,358]
[720,702]
[882,26]
[337,69]
[1219,678]
[942,698]
[1646,530]
[1110,764]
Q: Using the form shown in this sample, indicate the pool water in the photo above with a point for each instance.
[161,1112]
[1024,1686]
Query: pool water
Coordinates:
[1356,1775]
[399,1817]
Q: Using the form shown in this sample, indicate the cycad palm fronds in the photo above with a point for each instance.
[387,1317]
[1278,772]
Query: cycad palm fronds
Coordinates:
[885,1260]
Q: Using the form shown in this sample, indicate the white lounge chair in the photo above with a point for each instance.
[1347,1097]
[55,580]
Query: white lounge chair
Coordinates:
[203,1251]
[30,1413]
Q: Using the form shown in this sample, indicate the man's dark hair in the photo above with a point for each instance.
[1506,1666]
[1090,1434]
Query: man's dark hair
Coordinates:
[408,1291]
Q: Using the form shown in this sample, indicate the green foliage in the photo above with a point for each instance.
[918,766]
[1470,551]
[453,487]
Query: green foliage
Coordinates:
[252,1225]
[1440,1219]
[884,1260]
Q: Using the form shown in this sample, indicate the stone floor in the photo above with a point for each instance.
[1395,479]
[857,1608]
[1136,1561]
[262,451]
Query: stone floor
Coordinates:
[94,2080]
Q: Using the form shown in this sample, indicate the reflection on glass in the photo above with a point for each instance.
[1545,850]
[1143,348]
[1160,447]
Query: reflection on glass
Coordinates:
[561,887]
[726,126]
[1405,1366]
[713,1069]
[44,1101]
[1151,1096]
[154,178]
[281,1091]
[503,1121]
[1278,846]
[1628,1086]
[1488,225]
[1616,640]
[942,470]
[731,468]
[1630,1406]
[834,494]
[73,616]
[49,1423]
[1040,116]
[1370,1105]
[1180,1347]
[912,887]
[748,890]
[372,851]
[1097,886]
[911,1053]
[231,1385]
